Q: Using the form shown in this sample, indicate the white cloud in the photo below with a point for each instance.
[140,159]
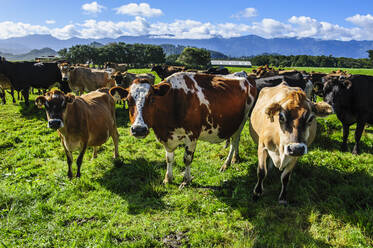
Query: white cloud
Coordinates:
[142,9]
[10,29]
[246,13]
[295,26]
[92,8]
[50,21]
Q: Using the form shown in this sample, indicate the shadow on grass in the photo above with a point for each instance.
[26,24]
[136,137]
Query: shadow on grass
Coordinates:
[137,181]
[31,111]
[346,196]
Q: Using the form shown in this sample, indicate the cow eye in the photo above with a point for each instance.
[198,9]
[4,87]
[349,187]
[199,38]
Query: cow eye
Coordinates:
[282,118]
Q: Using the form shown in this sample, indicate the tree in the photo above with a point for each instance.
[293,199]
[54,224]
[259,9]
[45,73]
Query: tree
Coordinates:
[195,57]
[370,52]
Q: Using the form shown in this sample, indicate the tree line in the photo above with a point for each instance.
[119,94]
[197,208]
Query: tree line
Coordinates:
[135,55]
[308,61]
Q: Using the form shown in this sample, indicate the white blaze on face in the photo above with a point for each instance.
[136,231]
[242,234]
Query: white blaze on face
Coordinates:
[139,93]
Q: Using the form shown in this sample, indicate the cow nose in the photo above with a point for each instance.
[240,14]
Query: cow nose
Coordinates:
[297,149]
[64,79]
[139,131]
[55,124]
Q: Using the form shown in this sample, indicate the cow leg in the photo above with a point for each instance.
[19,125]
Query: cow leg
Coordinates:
[234,148]
[285,178]
[346,131]
[115,137]
[25,93]
[188,158]
[261,172]
[69,158]
[12,94]
[358,132]
[3,96]
[80,159]
[95,148]
[170,161]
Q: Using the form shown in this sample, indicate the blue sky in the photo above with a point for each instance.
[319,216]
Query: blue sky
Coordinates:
[322,19]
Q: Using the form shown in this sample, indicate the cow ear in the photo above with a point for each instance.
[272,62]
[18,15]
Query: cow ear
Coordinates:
[321,109]
[272,109]
[161,89]
[40,101]
[118,93]
[69,98]
[347,84]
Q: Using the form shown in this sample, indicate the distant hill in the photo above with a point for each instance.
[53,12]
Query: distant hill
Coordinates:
[31,55]
[169,49]
[236,47]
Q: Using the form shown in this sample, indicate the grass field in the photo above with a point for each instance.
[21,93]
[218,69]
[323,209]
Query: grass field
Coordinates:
[123,203]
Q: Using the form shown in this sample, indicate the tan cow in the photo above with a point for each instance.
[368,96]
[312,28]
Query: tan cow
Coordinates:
[116,67]
[283,124]
[187,107]
[85,80]
[81,121]
[5,84]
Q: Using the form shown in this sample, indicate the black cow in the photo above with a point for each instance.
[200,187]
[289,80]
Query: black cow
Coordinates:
[24,75]
[293,79]
[352,101]
[217,71]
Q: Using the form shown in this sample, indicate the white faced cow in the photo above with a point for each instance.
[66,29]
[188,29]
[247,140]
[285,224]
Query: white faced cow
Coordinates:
[283,124]
[186,107]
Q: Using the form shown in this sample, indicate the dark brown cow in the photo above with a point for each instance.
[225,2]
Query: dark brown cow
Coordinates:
[189,106]
[164,71]
[82,121]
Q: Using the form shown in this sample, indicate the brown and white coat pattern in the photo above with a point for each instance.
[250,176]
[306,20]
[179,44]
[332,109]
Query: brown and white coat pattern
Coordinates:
[190,106]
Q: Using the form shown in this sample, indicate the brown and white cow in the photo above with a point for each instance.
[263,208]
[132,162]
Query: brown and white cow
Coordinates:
[283,124]
[186,107]
[84,79]
[81,121]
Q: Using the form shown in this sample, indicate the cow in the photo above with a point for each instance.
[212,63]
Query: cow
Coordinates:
[283,125]
[24,75]
[352,101]
[116,67]
[85,80]
[217,71]
[294,79]
[126,78]
[81,121]
[164,71]
[5,84]
[187,107]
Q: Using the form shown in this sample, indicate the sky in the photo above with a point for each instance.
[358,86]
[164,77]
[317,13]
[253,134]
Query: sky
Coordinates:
[194,19]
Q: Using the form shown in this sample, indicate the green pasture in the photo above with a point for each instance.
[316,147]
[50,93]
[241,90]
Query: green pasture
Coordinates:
[123,203]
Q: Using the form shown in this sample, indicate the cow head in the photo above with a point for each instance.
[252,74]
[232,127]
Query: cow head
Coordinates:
[295,115]
[140,97]
[65,69]
[337,91]
[55,103]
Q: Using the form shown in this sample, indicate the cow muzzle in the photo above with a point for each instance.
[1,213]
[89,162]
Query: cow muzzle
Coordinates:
[139,131]
[55,124]
[296,149]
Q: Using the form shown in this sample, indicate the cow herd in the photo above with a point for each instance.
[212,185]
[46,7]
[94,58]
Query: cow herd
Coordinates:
[190,106]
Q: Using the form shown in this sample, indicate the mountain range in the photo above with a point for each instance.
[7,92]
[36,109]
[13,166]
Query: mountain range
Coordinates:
[249,45]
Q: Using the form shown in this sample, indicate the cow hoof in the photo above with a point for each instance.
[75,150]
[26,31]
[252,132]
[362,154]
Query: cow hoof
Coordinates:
[167,181]
[70,175]
[256,197]
[77,174]
[223,168]
[283,202]
[182,185]
[236,160]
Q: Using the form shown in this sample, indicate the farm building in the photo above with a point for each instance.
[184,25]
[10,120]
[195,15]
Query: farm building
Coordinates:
[231,63]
